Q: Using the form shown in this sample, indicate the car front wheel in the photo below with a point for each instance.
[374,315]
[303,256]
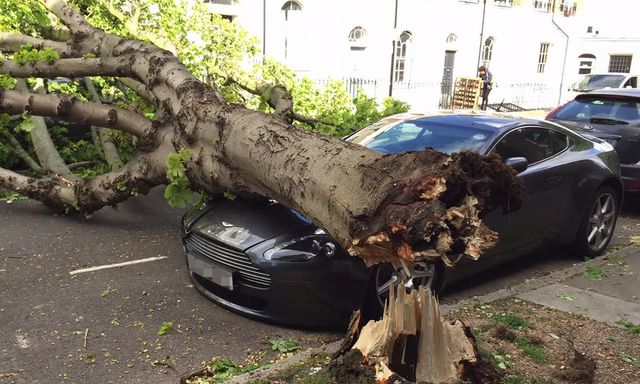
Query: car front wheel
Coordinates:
[384,278]
[596,228]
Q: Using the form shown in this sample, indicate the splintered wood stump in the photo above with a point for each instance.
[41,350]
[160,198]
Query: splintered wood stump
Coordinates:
[413,342]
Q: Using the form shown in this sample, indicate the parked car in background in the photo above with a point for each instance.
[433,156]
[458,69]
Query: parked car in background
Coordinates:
[594,81]
[268,261]
[613,115]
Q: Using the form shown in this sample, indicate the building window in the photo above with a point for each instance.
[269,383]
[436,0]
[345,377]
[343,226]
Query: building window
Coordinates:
[568,7]
[585,65]
[503,3]
[402,44]
[487,52]
[357,34]
[620,63]
[452,38]
[542,56]
[290,6]
[542,5]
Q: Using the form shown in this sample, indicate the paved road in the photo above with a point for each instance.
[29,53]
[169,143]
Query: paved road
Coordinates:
[44,311]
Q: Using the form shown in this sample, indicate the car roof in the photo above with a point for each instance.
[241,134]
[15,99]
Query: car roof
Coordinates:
[630,92]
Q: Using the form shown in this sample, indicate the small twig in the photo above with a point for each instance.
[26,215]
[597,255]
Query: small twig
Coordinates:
[86,332]
[155,363]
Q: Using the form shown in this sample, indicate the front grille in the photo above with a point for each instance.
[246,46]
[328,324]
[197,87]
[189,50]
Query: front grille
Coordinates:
[233,259]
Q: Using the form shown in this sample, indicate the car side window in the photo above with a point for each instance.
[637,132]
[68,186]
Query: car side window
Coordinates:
[534,144]
[631,83]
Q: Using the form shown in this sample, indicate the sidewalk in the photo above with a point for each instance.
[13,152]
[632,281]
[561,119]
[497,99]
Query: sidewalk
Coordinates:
[604,289]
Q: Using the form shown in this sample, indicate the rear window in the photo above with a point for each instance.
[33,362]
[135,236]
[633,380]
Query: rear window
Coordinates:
[593,82]
[600,111]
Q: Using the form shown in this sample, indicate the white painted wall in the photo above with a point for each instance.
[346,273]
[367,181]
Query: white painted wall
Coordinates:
[318,47]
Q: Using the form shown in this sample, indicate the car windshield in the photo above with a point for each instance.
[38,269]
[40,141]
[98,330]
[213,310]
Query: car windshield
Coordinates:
[592,82]
[599,110]
[417,135]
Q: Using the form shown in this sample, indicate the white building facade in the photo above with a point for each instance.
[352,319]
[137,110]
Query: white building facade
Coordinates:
[415,49]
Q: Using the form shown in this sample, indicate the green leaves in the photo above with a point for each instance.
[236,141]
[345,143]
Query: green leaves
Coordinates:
[284,346]
[594,273]
[178,193]
[165,328]
[28,54]
[223,369]
[631,327]
[26,125]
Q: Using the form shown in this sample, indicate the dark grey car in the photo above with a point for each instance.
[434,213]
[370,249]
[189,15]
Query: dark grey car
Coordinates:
[612,115]
[267,261]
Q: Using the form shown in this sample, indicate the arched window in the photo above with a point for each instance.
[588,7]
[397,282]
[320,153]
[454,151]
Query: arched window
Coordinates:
[402,45]
[585,63]
[292,6]
[487,52]
[452,38]
[357,34]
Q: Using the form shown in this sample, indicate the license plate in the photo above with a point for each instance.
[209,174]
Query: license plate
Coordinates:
[214,274]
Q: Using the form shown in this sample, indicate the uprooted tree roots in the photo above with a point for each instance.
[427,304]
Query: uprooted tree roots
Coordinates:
[411,343]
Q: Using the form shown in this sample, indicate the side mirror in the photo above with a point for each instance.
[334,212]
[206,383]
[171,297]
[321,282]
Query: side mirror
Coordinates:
[520,164]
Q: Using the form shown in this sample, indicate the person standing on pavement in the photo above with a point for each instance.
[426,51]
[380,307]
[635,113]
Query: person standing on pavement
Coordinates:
[487,85]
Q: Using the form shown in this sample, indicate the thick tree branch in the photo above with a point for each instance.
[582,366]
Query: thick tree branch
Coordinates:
[138,88]
[71,68]
[109,149]
[69,17]
[70,109]
[11,42]
[53,192]
[56,33]
[311,121]
[44,147]
[20,151]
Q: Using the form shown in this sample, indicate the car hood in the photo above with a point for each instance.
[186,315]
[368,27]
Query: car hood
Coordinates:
[244,223]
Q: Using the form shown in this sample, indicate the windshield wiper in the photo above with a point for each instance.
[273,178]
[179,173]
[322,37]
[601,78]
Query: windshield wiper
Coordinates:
[604,120]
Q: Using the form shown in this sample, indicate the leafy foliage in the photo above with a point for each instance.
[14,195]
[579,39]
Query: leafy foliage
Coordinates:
[284,346]
[165,328]
[177,192]
[29,55]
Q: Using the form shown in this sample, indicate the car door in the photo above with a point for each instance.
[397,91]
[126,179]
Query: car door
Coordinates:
[546,181]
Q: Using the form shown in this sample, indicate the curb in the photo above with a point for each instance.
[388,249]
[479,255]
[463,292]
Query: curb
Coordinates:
[555,277]
[264,372]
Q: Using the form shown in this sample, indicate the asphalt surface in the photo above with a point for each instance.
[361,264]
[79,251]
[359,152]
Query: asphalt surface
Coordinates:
[45,311]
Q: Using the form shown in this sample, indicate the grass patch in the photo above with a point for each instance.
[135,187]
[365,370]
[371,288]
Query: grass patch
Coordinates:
[514,379]
[510,320]
[616,260]
[631,327]
[532,349]
[594,273]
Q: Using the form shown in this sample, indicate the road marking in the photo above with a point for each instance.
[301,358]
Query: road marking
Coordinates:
[91,269]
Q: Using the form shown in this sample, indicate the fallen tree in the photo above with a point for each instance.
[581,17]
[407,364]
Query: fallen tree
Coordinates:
[420,206]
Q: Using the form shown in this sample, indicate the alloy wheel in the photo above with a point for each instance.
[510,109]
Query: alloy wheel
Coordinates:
[420,275]
[601,221]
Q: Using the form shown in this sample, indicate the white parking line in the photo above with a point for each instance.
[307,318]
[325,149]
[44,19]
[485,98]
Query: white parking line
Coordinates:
[91,269]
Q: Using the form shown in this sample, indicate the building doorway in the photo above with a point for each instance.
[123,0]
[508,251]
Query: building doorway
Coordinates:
[446,87]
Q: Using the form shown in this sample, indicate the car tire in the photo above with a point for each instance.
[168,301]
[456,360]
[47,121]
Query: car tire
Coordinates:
[381,274]
[597,225]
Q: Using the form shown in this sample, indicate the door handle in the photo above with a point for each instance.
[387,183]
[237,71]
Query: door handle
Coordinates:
[554,179]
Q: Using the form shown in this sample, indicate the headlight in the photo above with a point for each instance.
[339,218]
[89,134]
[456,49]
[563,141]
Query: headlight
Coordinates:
[301,249]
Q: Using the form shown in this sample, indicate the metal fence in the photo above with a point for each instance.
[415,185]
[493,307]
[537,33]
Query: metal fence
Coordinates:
[426,96]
